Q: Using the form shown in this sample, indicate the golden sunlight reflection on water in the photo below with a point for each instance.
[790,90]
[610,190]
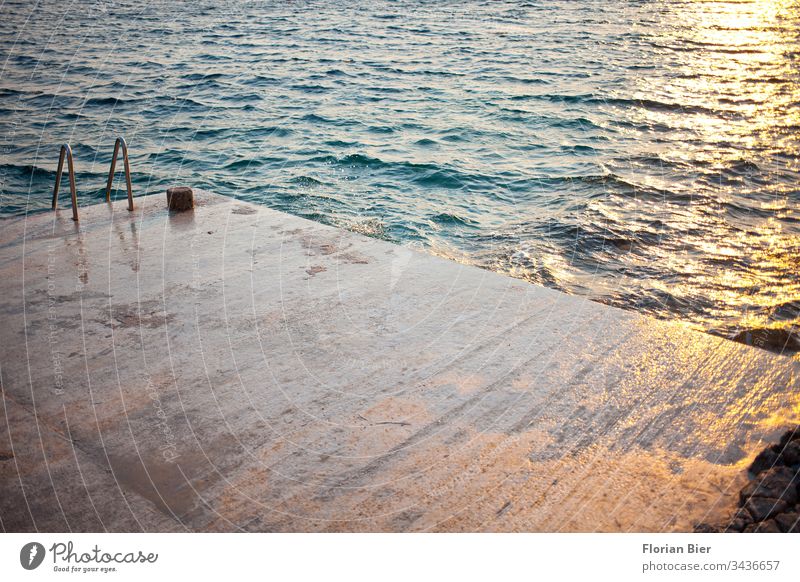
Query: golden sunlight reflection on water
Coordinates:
[744,61]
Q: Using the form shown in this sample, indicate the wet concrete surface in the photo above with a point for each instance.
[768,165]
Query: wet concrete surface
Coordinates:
[234,368]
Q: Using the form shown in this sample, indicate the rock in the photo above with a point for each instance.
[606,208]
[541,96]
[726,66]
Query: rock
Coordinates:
[768,526]
[180,198]
[744,515]
[788,522]
[777,483]
[766,459]
[705,528]
[768,502]
[778,340]
[762,508]
[790,453]
[737,524]
[790,435]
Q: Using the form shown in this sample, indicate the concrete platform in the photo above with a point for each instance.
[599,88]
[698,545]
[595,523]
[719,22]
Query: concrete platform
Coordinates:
[236,368]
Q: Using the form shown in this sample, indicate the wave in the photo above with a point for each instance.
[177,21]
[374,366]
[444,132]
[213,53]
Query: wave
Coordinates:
[260,80]
[103,101]
[350,161]
[28,171]
[306,181]
[662,106]
[649,104]
[422,174]
[204,76]
[439,179]
[247,164]
[316,119]
[309,88]
[450,219]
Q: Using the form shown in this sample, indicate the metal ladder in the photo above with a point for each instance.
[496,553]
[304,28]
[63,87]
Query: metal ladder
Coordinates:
[67,151]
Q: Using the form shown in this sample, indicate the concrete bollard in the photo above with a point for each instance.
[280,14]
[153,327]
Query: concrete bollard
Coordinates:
[180,198]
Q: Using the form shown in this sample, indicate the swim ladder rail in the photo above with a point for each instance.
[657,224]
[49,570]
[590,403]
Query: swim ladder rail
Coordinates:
[120,142]
[66,151]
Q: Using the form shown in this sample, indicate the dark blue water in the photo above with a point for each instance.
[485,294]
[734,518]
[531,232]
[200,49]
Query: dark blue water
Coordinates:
[645,154]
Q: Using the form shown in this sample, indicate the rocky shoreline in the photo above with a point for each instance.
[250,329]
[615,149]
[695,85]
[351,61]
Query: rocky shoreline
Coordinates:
[769,502]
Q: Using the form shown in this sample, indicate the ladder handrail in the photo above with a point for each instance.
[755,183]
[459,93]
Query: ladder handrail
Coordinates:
[120,141]
[66,150]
